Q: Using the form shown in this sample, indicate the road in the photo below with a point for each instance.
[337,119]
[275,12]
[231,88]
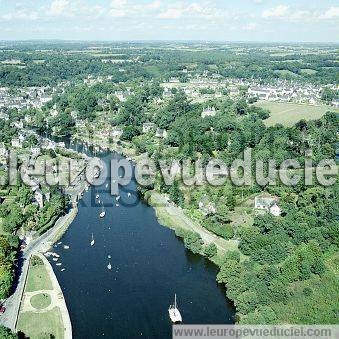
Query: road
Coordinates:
[160,202]
[41,244]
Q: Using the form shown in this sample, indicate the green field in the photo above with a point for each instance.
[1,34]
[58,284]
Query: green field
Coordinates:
[38,279]
[288,114]
[40,301]
[40,325]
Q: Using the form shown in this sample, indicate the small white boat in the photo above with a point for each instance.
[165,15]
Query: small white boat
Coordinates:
[97,196]
[103,213]
[129,194]
[117,205]
[174,312]
[93,241]
[86,188]
[99,201]
[58,264]
[63,269]
[117,198]
[66,247]
[106,186]
[109,266]
[109,257]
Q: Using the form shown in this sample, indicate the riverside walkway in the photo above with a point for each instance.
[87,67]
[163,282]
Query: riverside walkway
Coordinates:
[41,244]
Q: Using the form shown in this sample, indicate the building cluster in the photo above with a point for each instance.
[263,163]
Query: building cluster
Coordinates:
[24,98]
[283,91]
[203,88]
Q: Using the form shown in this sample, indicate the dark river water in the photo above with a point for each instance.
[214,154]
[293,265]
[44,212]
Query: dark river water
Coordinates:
[149,265]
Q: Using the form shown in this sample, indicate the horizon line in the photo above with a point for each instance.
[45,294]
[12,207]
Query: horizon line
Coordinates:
[167,41]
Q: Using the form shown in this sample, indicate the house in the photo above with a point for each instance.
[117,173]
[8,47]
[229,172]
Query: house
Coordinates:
[147,127]
[54,112]
[261,93]
[275,210]
[268,203]
[207,207]
[312,101]
[208,112]
[122,95]
[161,133]
[74,115]
[167,92]
[35,151]
[4,116]
[117,132]
[335,103]
[16,143]
[39,198]
[19,124]
[3,151]
[174,80]
[28,119]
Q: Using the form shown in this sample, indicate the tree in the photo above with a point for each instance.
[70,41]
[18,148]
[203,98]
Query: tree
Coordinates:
[193,242]
[6,333]
[210,250]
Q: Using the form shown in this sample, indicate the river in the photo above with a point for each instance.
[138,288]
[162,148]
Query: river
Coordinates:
[149,264]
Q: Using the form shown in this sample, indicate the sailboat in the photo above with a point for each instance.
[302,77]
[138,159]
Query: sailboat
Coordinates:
[103,213]
[174,313]
[93,241]
[109,266]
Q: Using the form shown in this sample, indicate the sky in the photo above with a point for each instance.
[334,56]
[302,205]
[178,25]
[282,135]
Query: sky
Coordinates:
[205,20]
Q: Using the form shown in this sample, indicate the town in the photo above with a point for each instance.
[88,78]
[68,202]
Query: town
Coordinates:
[270,246]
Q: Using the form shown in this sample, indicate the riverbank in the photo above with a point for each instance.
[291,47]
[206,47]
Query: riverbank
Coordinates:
[169,215]
[43,308]
[39,245]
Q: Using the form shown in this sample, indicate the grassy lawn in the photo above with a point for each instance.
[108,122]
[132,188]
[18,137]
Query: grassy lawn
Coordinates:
[40,301]
[38,279]
[288,114]
[36,324]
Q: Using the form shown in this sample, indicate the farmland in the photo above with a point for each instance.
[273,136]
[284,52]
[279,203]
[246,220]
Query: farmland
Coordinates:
[288,114]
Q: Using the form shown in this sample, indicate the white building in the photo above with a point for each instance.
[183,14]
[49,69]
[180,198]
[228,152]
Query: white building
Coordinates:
[335,103]
[268,203]
[207,207]
[16,143]
[161,133]
[208,112]
[117,133]
[275,210]
[147,127]
[39,198]
[35,151]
